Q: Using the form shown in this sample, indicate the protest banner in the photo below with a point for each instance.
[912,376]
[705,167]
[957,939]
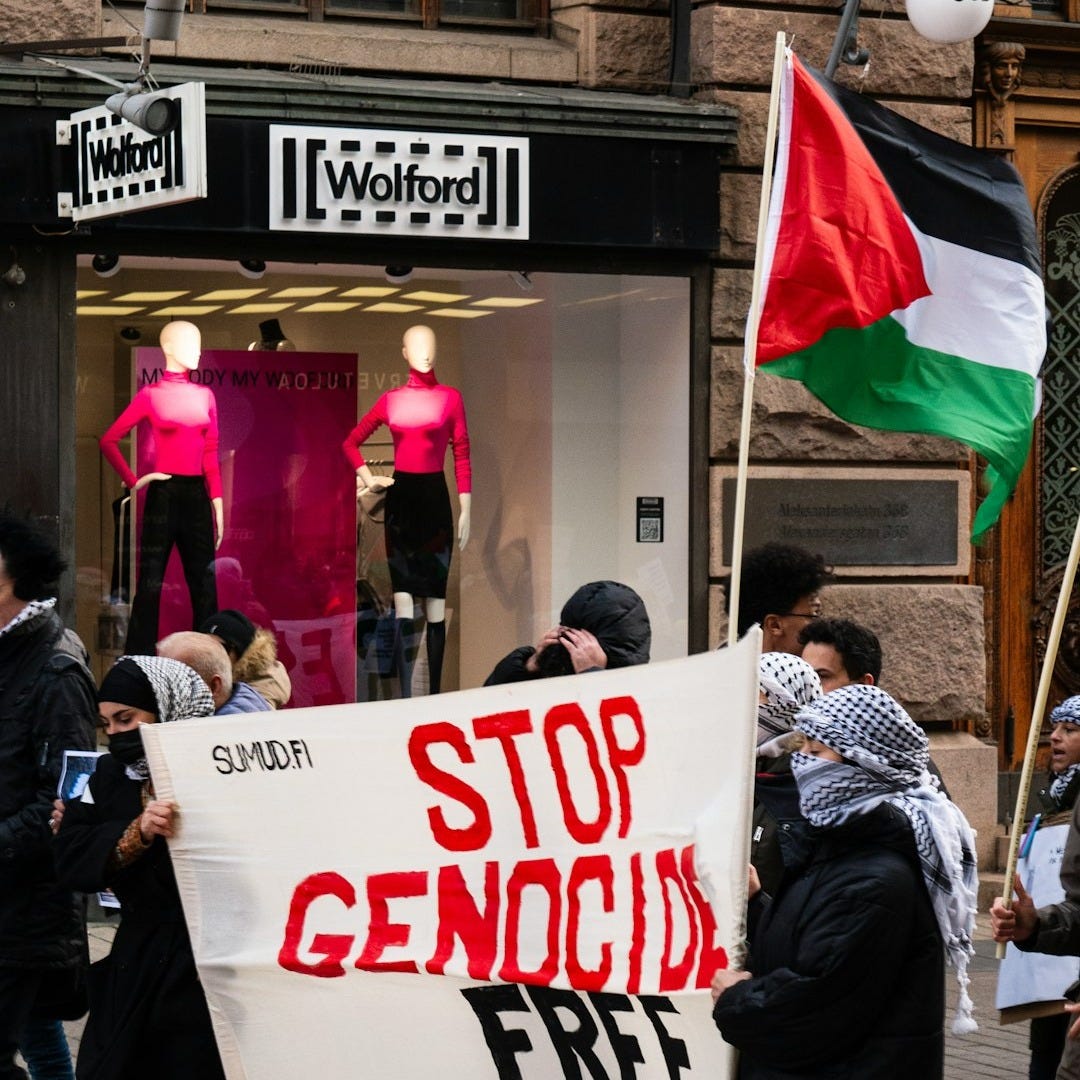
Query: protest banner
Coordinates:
[1027,978]
[529,881]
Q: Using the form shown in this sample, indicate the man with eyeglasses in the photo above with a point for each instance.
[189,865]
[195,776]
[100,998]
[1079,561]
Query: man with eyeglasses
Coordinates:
[780,588]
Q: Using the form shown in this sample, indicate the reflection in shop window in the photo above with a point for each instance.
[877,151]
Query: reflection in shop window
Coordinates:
[577,396]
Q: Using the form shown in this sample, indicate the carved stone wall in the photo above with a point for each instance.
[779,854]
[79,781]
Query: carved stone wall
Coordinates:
[933,634]
[31,20]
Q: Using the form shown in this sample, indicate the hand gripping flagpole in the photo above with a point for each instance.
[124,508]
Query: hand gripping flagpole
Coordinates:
[751,339]
[1037,711]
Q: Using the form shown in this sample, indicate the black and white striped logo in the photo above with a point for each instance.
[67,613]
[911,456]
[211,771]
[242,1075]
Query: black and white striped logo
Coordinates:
[398,183]
[117,161]
[122,168]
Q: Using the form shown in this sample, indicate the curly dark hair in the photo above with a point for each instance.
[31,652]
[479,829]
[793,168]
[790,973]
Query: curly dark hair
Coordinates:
[774,577]
[858,647]
[30,557]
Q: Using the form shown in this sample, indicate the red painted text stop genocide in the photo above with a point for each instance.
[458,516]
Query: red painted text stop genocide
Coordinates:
[487,928]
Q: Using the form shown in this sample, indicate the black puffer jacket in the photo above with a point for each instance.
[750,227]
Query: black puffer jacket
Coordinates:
[848,965]
[609,610]
[47,706]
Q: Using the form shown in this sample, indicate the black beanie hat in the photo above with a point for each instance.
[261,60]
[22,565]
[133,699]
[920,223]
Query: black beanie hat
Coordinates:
[234,628]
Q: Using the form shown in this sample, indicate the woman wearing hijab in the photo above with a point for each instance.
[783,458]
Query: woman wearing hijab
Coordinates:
[148,1015]
[786,683]
[845,974]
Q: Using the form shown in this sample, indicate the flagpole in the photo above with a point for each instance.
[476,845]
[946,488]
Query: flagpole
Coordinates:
[750,346]
[1052,643]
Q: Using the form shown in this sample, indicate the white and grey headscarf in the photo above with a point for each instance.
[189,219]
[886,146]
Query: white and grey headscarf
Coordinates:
[178,691]
[1068,712]
[788,682]
[32,610]
[885,761]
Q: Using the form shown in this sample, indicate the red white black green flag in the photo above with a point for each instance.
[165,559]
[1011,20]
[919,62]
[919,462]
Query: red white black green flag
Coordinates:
[902,282]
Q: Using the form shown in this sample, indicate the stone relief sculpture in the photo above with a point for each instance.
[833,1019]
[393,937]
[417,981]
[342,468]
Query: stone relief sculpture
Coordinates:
[1001,67]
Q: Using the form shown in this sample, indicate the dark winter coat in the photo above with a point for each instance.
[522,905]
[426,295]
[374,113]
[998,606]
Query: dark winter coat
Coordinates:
[609,610]
[777,828]
[47,706]
[848,965]
[148,1014]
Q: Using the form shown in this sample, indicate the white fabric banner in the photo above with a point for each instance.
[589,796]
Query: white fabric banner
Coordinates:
[1025,978]
[528,881]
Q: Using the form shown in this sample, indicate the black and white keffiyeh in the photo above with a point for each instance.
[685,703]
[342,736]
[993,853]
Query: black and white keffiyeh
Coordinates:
[1068,712]
[788,682]
[1060,784]
[180,693]
[885,760]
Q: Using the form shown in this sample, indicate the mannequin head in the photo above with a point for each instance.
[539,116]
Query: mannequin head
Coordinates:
[418,348]
[181,343]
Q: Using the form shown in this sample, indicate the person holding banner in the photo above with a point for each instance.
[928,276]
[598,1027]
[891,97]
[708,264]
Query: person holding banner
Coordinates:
[846,962]
[148,1014]
[1058,796]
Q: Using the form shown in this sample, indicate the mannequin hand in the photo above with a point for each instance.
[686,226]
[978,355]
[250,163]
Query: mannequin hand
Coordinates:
[376,484]
[584,650]
[464,517]
[532,665]
[219,521]
[158,819]
[150,476]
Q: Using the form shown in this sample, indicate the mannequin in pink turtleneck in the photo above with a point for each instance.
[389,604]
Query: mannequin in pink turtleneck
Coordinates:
[184,504]
[424,417]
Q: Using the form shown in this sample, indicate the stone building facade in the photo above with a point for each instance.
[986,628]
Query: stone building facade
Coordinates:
[931,625]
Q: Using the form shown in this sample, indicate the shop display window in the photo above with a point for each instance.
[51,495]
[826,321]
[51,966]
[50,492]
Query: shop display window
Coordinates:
[575,388]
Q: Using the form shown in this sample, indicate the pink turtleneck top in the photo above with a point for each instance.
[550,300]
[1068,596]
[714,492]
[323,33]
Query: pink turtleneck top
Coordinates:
[423,417]
[183,419]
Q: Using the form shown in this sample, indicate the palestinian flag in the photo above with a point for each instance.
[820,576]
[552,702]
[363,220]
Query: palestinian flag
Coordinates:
[901,277]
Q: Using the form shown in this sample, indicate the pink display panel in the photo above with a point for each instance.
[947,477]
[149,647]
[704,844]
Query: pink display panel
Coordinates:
[288,558]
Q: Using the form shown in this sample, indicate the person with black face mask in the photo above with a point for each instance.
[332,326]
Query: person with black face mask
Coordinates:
[148,1013]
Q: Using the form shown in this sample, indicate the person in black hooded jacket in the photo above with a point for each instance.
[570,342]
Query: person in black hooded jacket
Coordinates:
[46,707]
[844,980]
[603,625]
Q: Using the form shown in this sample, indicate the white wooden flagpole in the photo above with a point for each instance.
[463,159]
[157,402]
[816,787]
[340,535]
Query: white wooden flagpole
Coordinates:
[750,348]
[1037,711]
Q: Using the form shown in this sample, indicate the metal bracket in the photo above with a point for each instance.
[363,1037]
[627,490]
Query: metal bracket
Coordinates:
[845,45]
[64,203]
[63,132]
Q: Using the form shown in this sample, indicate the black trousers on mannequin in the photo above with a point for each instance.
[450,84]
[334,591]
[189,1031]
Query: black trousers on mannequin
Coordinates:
[177,512]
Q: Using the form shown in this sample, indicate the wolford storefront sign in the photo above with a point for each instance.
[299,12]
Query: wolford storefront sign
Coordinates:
[122,168]
[398,183]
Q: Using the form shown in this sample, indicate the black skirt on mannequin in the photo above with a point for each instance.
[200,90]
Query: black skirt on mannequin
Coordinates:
[419,533]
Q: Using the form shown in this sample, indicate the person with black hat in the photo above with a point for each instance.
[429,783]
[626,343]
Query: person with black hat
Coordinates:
[253,652]
[148,1014]
[603,625]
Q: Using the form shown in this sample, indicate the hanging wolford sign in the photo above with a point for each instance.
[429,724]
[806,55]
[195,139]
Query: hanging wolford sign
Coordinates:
[398,183]
[122,168]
